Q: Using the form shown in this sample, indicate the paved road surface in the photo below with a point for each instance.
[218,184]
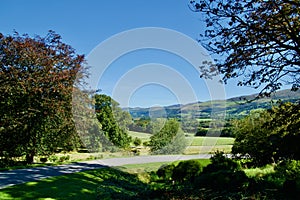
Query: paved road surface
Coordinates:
[13,177]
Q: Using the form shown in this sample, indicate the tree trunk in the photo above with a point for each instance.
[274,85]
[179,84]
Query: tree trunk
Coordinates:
[29,157]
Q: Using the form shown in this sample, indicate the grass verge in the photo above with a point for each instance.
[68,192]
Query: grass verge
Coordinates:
[105,183]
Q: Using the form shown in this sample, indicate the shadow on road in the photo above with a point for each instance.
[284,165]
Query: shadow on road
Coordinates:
[104,183]
[13,177]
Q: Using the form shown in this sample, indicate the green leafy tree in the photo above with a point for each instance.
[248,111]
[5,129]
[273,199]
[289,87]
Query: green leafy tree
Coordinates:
[104,107]
[122,117]
[269,136]
[141,125]
[252,138]
[156,124]
[285,126]
[169,140]
[254,39]
[37,77]
[88,127]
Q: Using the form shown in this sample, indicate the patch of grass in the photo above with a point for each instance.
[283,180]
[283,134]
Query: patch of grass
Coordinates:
[211,141]
[191,150]
[73,157]
[105,183]
[204,120]
[148,167]
[259,172]
[143,136]
[138,168]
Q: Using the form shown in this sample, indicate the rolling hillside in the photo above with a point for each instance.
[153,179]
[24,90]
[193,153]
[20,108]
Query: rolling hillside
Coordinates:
[233,107]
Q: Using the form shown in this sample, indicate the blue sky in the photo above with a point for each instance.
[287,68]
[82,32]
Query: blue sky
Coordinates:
[143,77]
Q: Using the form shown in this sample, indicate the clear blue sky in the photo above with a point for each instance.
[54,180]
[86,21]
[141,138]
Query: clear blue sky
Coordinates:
[84,24]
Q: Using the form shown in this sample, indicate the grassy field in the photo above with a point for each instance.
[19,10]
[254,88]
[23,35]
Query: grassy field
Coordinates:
[196,145]
[106,183]
[143,136]
[139,168]
[84,185]
[196,141]
[212,141]
[191,150]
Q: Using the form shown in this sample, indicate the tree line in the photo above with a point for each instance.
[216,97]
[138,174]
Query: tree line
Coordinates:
[44,109]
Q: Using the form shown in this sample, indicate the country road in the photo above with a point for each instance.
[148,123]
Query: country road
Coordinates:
[18,176]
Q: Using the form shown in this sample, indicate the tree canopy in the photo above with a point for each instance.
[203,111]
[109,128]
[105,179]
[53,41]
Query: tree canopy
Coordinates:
[37,77]
[169,139]
[108,112]
[269,136]
[254,39]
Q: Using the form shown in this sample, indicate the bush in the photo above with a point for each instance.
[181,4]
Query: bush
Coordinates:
[222,180]
[220,162]
[187,170]
[53,158]
[165,171]
[43,160]
[153,176]
[222,174]
[289,169]
[137,141]
[201,132]
[64,158]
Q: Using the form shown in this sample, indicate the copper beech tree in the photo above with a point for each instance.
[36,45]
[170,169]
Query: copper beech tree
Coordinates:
[36,82]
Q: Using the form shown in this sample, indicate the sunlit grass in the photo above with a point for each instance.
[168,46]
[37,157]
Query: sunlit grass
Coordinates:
[105,183]
[148,167]
[143,136]
[191,150]
[258,172]
[82,185]
[211,141]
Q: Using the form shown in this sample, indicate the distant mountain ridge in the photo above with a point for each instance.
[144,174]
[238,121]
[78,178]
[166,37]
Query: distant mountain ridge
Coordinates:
[233,107]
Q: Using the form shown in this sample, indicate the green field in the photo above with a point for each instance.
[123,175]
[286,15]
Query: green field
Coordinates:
[212,141]
[105,183]
[143,136]
[101,183]
[191,150]
[148,167]
[196,145]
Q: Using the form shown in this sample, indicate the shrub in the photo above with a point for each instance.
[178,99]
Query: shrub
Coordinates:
[201,132]
[53,158]
[146,143]
[43,160]
[165,171]
[220,162]
[153,176]
[187,170]
[222,174]
[137,141]
[289,169]
[64,158]
[222,180]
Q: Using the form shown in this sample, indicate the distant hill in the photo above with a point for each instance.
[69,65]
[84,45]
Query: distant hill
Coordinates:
[233,108]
